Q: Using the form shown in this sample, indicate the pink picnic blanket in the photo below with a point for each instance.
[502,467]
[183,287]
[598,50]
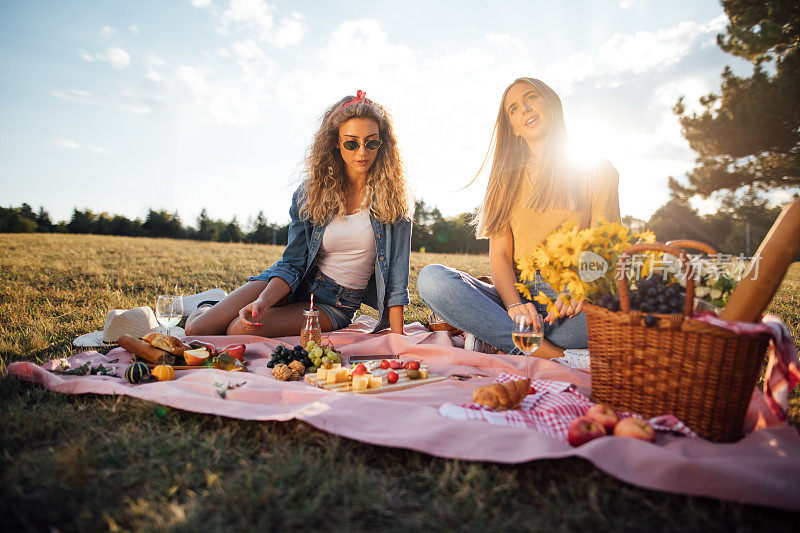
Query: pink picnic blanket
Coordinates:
[763,468]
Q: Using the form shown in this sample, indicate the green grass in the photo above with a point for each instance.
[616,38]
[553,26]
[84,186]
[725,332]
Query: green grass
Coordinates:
[77,463]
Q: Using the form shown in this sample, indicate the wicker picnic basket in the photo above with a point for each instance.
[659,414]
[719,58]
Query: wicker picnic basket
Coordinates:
[702,374]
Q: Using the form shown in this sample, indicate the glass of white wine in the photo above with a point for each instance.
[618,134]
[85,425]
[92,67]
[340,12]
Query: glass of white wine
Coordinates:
[169,310]
[527,334]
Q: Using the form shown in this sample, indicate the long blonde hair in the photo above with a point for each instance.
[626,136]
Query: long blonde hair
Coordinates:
[552,187]
[326,178]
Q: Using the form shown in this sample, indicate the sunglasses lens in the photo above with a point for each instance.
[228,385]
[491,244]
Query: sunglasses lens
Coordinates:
[350,145]
[373,144]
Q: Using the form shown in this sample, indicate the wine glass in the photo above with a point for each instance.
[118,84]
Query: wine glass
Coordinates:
[169,310]
[527,333]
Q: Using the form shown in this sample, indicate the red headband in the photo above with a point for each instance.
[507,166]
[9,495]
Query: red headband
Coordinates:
[361,96]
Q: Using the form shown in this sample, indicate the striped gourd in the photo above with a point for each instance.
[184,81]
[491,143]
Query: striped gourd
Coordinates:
[136,372]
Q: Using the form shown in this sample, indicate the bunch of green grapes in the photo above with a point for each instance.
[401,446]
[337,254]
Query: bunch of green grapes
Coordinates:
[322,356]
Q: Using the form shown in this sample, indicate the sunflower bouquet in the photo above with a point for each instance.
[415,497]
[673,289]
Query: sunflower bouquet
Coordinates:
[580,264]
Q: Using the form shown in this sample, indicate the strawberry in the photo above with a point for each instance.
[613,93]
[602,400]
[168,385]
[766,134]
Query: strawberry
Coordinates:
[394,365]
[384,364]
[412,365]
[392,377]
[359,369]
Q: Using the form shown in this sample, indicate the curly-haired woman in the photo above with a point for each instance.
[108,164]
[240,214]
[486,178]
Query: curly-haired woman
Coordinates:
[534,187]
[349,236]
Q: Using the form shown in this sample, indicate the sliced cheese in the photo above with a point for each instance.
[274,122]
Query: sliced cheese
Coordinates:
[322,373]
[360,382]
[375,382]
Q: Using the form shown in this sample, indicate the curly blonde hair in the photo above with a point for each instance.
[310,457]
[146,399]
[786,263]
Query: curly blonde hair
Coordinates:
[326,178]
[554,187]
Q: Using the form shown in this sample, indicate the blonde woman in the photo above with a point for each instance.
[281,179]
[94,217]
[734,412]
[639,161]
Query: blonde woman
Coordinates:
[534,187]
[349,236]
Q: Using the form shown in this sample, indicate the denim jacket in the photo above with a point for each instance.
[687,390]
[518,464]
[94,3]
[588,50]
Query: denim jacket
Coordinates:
[388,285]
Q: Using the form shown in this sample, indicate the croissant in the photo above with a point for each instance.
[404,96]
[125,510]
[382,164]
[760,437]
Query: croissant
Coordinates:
[168,343]
[501,396]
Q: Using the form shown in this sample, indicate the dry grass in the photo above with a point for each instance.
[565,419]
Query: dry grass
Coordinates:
[76,463]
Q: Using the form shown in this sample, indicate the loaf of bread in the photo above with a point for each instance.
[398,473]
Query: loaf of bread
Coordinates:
[145,351]
[168,343]
[501,396]
[767,269]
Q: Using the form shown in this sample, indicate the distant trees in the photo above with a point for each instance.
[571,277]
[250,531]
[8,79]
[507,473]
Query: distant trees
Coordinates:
[432,232]
[738,226]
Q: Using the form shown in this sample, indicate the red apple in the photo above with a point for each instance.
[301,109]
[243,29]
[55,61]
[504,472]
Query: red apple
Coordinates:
[605,415]
[636,428]
[583,429]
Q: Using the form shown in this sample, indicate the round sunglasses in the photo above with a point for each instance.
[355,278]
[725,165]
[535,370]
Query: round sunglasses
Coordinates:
[372,144]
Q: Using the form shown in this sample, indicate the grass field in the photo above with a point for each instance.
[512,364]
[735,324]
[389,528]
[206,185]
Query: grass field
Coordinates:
[86,463]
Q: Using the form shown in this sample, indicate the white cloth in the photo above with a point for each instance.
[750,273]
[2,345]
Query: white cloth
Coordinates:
[578,359]
[347,254]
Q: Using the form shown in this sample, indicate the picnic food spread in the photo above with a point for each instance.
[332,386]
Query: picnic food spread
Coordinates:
[372,376]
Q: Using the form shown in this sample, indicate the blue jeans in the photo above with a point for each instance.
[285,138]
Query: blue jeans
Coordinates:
[338,302]
[475,307]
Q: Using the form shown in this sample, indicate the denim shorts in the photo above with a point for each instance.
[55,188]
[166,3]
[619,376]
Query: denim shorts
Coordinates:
[338,302]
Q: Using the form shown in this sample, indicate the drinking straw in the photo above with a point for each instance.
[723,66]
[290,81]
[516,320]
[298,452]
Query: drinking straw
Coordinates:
[312,303]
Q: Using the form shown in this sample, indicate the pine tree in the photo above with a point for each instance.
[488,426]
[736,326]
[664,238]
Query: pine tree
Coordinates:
[749,134]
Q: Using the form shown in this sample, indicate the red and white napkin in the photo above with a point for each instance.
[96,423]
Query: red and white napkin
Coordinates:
[549,409]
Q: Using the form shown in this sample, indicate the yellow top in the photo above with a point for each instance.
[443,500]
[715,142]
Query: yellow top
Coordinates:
[600,199]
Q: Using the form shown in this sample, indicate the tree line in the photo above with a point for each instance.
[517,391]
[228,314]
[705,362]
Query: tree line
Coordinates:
[433,232]
[738,226]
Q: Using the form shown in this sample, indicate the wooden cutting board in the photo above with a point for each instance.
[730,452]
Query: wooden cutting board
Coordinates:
[402,383]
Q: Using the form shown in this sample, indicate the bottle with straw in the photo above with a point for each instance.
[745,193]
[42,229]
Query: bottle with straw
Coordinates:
[311,328]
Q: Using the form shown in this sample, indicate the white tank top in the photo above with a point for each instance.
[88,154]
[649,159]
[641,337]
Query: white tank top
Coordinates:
[347,254]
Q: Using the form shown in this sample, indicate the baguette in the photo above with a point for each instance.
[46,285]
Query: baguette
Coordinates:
[143,350]
[501,396]
[168,343]
[758,285]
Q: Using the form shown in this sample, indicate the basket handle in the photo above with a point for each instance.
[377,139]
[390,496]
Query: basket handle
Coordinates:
[622,283]
[694,245]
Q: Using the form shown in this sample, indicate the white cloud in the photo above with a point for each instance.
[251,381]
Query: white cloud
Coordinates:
[125,101]
[291,30]
[256,15]
[201,3]
[117,58]
[107,32]
[627,4]
[152,75]
[134,29]
[152,60]
[97,149]
[504,40]
[66,143]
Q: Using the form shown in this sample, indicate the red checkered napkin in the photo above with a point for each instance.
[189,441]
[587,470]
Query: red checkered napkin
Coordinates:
[549,409]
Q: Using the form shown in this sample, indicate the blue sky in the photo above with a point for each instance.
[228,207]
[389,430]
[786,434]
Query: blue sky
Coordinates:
[184,104]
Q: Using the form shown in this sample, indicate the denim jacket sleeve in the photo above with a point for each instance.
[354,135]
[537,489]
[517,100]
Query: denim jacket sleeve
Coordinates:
[399,264]
[292,265]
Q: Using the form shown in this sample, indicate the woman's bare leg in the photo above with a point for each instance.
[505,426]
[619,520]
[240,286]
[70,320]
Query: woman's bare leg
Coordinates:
[281,321]
[215,320]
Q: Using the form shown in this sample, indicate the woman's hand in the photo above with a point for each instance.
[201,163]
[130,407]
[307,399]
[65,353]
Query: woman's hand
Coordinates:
[250,312]
[564,308]
[527,309]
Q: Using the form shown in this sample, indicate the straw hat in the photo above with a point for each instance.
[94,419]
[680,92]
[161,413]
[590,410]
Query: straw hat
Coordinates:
[135,322]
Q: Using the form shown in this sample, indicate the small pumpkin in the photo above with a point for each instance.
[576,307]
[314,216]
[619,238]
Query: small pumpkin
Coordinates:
[164,373]
[136,371]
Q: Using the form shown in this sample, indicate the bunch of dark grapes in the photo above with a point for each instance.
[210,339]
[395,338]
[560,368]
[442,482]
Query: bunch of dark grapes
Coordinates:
[284,355]
[651,295]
